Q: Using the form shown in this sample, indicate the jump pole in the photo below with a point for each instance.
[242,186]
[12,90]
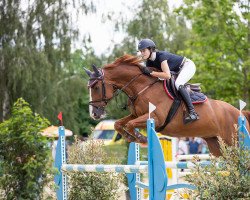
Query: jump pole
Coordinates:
[243,134]
[157,174]
[156,167]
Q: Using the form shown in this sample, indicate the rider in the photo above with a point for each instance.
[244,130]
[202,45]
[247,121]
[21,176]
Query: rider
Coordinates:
[166,62]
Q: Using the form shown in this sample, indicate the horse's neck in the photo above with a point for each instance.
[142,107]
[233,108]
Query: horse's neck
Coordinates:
[130,81]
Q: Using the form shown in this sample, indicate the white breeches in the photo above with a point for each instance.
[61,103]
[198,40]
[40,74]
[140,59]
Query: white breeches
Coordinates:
[186,73]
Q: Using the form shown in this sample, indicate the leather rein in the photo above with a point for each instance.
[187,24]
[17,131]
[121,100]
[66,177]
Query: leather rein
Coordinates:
[115,88]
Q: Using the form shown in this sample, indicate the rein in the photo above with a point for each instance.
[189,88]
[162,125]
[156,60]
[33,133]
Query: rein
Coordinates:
[116,91]
[122,89]
[144,89]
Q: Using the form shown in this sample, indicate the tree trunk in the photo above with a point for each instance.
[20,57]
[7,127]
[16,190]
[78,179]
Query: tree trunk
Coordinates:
[6,105]
[2,85]
[4,94]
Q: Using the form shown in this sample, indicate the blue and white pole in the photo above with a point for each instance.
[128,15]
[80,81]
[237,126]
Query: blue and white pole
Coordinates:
[156,165]
[60,178]
[243,134]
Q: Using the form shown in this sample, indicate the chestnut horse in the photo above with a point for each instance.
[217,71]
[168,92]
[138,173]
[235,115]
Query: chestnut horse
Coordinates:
[217,118]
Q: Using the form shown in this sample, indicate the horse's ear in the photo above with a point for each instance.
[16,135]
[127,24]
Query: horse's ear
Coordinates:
[87,71]
[97,72]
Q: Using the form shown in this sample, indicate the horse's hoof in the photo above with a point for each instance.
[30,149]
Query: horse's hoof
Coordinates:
[143,140]
[130,139]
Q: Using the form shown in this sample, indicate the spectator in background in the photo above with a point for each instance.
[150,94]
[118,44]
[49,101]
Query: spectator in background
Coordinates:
[194,146]
[199,140]
[54,143]
[182,147]
[204,148]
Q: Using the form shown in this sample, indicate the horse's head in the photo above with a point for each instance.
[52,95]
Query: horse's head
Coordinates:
[100,92]
[103,83]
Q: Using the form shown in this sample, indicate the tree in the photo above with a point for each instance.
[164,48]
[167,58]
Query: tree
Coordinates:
[80,59]
[220,46]
[24,154]
[35,61]
[152,19]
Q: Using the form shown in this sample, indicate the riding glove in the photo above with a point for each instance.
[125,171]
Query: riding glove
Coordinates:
[146,70]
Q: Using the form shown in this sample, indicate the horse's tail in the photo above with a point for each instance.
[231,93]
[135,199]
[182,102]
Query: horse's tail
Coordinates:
[247,115]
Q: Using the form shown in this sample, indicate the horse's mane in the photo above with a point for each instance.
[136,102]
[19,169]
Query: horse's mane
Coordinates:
[125,59]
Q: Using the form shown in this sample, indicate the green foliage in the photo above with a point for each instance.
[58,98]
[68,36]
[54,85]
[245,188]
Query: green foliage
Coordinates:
[36,62]
[152,19]
[82,121]
[220,46]
[118,151]
[231,180]
[24,153]
[118,107]
[92,186]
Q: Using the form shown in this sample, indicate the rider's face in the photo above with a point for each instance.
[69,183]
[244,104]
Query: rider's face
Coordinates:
[145,53]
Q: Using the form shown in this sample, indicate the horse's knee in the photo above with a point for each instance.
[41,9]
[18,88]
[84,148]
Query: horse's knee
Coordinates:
[130,126]
[118,126]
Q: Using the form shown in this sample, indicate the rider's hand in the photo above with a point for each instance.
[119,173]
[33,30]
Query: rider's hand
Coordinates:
[146,70]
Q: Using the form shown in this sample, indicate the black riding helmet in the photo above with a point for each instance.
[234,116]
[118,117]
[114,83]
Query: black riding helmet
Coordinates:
[146,43]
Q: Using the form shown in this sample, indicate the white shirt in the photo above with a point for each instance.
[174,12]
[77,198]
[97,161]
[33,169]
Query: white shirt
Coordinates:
[182,147]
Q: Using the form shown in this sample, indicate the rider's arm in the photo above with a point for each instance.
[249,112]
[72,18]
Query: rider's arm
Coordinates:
[165,74]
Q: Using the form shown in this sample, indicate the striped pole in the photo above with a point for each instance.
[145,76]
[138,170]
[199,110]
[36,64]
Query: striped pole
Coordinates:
[105,168]
[134,178]
[180,165]
[60,178]
[155,168]
[192,156]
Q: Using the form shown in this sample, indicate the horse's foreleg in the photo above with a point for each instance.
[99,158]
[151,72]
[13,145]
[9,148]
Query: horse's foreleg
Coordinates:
[140,122]
[213,146]
[119,127]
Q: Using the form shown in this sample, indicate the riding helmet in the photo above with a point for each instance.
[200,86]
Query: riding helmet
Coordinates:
[146,43]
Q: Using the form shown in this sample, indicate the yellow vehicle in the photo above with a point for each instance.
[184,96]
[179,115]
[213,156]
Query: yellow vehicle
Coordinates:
[105,131]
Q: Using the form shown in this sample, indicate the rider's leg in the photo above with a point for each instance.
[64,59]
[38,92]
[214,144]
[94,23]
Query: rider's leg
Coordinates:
[192,114]
[186,73]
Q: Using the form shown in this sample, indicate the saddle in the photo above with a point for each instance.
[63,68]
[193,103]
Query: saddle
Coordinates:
[194,91]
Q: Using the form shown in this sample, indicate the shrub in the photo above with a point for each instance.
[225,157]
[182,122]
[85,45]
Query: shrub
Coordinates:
[92,186]
[229,180]
[24,154]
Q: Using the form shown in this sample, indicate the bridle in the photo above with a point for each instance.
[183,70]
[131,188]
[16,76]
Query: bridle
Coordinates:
[94,80]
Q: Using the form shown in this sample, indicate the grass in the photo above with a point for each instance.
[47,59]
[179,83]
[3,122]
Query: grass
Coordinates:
[120,151]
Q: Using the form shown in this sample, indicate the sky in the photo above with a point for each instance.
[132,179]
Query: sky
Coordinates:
[102,34]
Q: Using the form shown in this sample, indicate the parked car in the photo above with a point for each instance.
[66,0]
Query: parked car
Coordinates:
[105,131]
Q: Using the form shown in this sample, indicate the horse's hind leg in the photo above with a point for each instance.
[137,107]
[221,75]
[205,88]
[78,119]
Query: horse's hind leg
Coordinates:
[119,127]
[213,146]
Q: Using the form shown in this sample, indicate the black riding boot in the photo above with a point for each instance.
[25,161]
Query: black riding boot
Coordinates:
[192,114]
